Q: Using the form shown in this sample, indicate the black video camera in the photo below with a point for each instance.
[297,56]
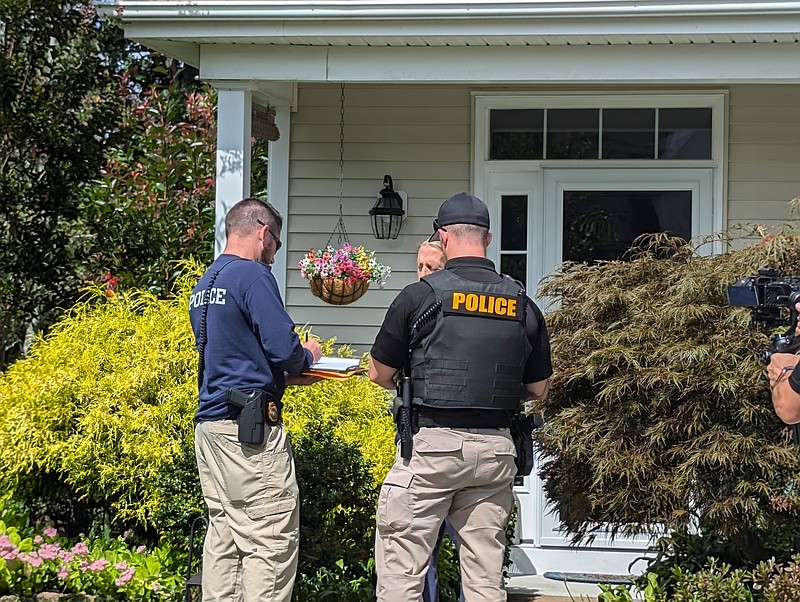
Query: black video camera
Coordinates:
[771,299]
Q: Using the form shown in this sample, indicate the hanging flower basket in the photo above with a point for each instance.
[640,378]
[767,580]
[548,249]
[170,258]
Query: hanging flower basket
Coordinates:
[343,275]
[338,292]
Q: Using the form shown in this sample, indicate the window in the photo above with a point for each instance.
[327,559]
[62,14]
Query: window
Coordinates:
[573,133]
[600,225]
[629,133]
[684,134]
[514,236]
[601,133]
[517,134]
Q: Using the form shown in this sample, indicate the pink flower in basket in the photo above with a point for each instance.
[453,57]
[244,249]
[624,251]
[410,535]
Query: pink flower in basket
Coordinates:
[348,263]
[343,275]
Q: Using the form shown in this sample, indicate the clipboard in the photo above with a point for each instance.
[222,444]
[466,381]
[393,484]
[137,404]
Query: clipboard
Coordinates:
[335,368]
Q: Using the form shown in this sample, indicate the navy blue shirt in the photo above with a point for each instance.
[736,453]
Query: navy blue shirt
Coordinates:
[250,339]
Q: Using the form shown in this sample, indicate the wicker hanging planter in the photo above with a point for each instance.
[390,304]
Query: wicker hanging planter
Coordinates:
[355,268]
[338,292]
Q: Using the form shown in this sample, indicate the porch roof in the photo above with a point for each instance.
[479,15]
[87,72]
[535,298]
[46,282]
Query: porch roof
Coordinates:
[418,23]
[513,41]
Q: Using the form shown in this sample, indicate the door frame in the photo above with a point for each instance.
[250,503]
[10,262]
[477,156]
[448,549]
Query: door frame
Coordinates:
[544,182]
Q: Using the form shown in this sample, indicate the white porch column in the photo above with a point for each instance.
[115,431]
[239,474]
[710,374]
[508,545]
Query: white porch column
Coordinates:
[234,114]
[278,193]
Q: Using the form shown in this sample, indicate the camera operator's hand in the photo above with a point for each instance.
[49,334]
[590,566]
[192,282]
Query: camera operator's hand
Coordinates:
[777,363]
[797,326]
[785,399]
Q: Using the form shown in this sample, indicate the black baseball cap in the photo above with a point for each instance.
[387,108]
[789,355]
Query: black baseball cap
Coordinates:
[461,208]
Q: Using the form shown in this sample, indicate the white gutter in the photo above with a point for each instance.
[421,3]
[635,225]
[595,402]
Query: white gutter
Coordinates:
[213,10]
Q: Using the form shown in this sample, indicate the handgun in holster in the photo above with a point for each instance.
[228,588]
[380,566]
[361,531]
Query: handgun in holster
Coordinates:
[404,428]
[403,413]
[257,411]
[522,427]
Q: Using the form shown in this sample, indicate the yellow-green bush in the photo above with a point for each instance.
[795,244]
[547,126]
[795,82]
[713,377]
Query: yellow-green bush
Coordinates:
[105,403]
[355,410]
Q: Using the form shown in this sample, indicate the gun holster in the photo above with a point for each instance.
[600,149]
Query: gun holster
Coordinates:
[522,434]
[257,415]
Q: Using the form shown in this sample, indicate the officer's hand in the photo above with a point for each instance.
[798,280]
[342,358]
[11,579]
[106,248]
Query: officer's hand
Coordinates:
[313,346]
[777,363]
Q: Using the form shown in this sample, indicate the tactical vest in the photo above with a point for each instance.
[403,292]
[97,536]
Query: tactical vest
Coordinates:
[475,355]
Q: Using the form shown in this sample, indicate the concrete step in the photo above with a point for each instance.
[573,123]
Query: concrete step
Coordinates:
[537,588]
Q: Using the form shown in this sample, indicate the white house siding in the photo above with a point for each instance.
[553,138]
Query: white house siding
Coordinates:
[418,134]
[763,153]
[421,135]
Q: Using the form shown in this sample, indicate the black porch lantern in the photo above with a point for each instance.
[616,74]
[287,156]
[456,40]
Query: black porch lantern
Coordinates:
[387,214]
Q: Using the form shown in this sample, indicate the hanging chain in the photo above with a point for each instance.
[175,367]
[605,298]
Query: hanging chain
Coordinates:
[340,227]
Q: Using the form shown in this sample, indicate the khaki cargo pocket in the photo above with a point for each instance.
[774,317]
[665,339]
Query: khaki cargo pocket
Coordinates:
[261,507]
[253,479]
[395,509]
[505,453]
[438,441]
[274,521]
[504,447]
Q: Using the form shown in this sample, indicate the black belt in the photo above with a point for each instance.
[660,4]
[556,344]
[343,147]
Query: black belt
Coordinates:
[458,420]
[269,420]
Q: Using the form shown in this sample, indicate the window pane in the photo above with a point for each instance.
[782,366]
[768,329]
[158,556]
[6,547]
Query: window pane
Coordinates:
[516,134]
[514,266]
[514,218]
[601,225]
[684,133]
[629,133]
[572,133]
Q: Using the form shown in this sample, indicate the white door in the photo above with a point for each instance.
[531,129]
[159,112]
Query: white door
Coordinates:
[543,216]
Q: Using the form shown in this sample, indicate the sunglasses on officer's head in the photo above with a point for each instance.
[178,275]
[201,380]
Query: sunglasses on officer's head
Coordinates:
[278,243]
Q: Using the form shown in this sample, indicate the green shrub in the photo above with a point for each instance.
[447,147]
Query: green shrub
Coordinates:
[105,401]
[666,420]
[356,411]
[96,431]
[338,499]
[715,583]
[686,553]
[777,583]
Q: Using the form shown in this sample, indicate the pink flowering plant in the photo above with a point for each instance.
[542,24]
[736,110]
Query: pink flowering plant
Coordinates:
[348,263]
[33,561]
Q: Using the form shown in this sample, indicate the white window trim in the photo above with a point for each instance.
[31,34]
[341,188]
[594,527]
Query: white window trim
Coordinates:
[484,102]
[556,181]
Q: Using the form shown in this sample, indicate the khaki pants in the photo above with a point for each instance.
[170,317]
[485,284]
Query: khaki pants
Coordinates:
[465,474]
[250,551]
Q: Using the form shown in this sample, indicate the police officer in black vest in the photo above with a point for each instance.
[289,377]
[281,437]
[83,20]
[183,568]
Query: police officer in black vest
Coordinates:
[476,347]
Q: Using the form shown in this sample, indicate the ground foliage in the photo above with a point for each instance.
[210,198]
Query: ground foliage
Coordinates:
[659,413]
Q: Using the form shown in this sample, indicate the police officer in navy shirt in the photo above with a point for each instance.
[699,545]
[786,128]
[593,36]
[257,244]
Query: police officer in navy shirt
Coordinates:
[249,350]
[478,348]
